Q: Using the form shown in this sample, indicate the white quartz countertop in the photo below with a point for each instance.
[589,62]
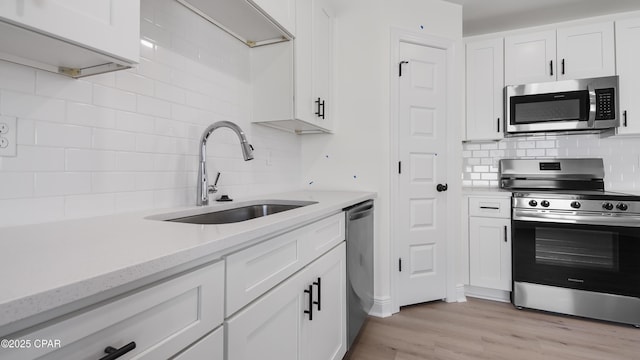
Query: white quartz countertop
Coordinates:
[46,266]
[486,191]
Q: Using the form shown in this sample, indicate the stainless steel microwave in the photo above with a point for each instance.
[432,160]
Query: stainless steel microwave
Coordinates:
[569,105]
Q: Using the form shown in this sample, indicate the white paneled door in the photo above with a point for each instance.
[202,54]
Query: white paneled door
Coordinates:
[422,151]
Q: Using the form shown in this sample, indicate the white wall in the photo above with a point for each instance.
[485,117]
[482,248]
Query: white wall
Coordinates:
[356,157]
[128,140]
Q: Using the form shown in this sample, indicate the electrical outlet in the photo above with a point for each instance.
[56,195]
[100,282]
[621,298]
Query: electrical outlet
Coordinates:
[8,137]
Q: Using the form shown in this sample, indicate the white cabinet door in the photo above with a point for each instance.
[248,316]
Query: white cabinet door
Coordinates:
[292,82]
[322,63]
[269,328]
[108,26]
[485,84]
[286,324]
[586,51]
[628,57]
[530,58]
[325,336]
[313,62]
[282,12]
[490,253]
[211,347]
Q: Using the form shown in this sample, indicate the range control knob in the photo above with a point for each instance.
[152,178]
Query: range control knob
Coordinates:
[533,203]
[622,206]
[544,203]
[607,206]
[575,204]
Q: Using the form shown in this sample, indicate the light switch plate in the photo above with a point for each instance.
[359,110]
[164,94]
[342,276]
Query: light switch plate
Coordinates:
[8,135]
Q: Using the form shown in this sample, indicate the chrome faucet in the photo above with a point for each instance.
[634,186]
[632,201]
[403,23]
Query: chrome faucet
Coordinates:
[203,183]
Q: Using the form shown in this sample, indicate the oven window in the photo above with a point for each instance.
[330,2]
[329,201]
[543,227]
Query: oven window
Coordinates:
[587,249]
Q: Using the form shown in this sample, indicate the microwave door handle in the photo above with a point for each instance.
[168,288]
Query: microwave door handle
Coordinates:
[592,107]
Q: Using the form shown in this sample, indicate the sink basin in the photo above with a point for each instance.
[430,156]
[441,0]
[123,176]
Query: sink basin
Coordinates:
[238,214]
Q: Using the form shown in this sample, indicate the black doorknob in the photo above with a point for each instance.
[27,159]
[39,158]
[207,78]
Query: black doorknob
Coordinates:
[442,188]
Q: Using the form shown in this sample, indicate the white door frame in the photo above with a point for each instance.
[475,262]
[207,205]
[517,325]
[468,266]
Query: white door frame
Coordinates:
[455,117]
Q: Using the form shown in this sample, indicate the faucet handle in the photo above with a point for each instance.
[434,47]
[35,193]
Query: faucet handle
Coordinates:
[214,188]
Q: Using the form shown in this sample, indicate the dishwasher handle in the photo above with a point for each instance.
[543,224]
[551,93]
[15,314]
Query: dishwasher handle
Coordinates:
[360,211]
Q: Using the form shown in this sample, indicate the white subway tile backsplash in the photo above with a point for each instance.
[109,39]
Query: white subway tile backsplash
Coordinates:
[621,156]
[132,82]
[25,211]
[535,152]
[109,182]
[480,153]
[90,115]
[62,87]
[35,158]
[133,161]
[32,106]
[169,92]
[133,201]
[26,132]
[114,98]
[62,183]
[79,206]
[17,77]
[155,107]
[129,140]
[62,135]
[90,160]
[113,140]
[135,122]
[16,185]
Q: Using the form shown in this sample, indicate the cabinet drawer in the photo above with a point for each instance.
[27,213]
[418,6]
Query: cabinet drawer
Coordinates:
[490,207]
[161,320]
[211,347]
[252,272]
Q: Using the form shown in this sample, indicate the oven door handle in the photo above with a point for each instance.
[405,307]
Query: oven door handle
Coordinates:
[591,122]
[572,217]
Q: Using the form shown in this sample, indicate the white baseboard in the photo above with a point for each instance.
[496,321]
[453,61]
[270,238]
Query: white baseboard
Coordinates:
[382,307]
[460,293]
[487,294]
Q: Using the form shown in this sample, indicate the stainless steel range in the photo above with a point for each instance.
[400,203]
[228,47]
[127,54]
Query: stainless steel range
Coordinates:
[576,247]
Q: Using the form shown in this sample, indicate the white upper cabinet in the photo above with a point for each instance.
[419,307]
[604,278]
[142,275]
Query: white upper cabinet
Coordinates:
[568,53]
[254,22]
[485,84]
[282,12]
[530,58]
[586,51]
[628,58]
[292,82]
[73,37]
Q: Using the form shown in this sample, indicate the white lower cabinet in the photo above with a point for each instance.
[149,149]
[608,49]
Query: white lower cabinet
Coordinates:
[490,253]
[302,318]
[155,323]
[211,347]
[490,242]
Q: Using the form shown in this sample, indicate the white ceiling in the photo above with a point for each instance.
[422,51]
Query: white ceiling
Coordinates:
[487,16]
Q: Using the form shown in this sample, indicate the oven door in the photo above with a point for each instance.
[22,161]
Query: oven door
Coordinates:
[582,256]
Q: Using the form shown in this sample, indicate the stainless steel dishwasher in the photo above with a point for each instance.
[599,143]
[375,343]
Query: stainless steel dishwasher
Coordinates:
[359,267]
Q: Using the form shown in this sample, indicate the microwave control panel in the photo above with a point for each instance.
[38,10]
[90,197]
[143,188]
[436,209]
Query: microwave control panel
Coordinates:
[605,104]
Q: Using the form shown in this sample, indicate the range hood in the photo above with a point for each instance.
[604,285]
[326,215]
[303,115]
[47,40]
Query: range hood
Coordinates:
[241,19]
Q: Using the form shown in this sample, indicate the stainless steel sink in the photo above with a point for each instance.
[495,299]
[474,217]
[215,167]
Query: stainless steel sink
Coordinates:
[238,214]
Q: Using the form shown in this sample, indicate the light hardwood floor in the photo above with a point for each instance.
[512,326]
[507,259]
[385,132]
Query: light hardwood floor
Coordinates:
[481,329]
